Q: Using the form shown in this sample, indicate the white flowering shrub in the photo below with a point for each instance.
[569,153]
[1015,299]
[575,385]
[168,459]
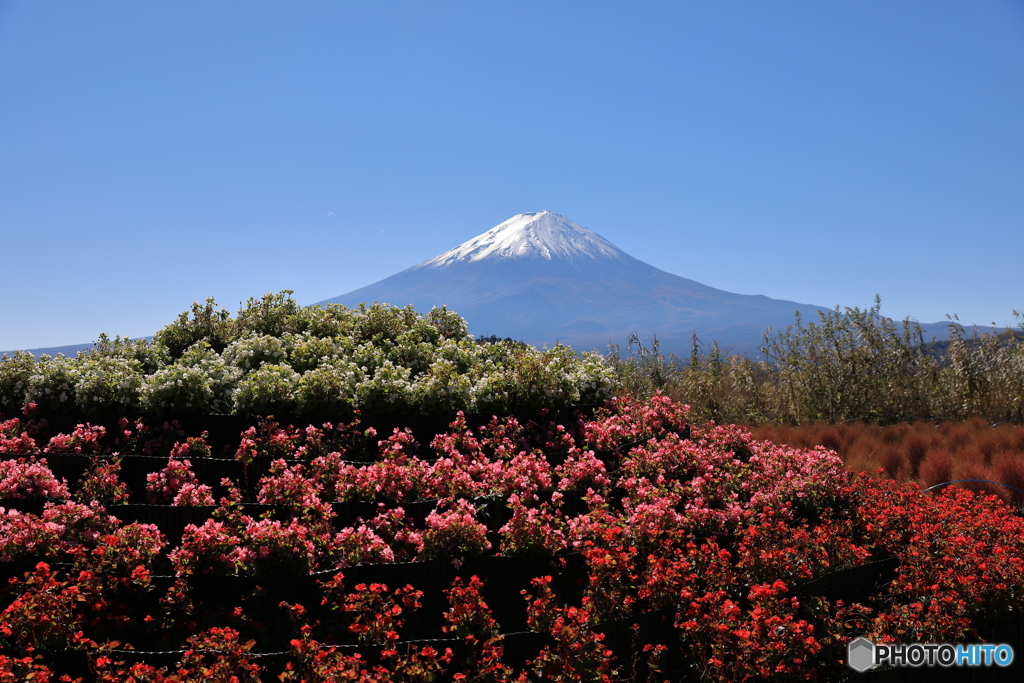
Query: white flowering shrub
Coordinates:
[389,390]
[329,388]
[52,384]
[255,350]
[278,358]
[443,389]
[528,379]
[368,357]
[463,354]
[332,321]
[148,356]
[593,378]
[199,382]
[15,372]
[412,354]
[108,384]
[494,393]
[449,324]
[181,387]
[269,390]
[306,352]
[381,323]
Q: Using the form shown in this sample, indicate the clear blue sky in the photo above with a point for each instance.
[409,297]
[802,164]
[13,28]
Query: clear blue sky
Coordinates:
[152,154]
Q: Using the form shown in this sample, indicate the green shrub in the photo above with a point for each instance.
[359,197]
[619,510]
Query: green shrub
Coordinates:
[15,373]
[443,389]
[269,390]
[273,315]
[254,350]
[108,384]
[199,382]
[329,389]
[208,323]
[52,385]
[388,390]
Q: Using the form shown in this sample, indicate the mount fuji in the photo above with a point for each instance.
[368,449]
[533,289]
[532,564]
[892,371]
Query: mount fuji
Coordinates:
[543,279]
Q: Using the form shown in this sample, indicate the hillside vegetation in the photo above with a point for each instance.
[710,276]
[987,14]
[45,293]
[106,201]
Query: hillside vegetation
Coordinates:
[849,365]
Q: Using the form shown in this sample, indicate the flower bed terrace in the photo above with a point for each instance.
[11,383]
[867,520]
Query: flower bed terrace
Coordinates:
[628,545]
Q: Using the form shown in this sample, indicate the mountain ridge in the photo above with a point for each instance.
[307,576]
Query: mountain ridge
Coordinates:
[543,278]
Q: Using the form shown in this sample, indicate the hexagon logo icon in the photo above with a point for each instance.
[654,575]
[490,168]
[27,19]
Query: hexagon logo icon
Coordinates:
[860,654]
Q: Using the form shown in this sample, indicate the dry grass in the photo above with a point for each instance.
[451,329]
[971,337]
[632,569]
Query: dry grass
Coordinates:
[847,366]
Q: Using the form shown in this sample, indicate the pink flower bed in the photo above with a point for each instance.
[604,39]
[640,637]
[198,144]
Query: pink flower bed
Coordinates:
[632,518]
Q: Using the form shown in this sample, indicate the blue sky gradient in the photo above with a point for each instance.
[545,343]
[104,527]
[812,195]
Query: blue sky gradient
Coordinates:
[152,154]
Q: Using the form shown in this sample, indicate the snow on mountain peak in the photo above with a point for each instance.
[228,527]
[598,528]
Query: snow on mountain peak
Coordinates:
[543,234]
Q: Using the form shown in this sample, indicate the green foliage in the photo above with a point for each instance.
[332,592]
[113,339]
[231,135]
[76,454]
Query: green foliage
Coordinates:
[849,365]
[199,382]
[982,375]
[52,385]
[15,373]
[277,357]
[208,323]
[108,384]
[273,315]
[329,388]
[271,388]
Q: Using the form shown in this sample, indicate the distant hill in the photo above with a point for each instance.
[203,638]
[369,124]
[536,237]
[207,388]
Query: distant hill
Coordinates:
[69,350]
[939,349]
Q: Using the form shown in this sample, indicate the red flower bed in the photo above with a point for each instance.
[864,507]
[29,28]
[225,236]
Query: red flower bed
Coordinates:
[630,546]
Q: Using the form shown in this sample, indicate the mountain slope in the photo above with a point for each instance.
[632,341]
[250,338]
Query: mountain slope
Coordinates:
[542,278]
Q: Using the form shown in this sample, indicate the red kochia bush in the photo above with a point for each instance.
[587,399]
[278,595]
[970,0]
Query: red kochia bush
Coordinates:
[925,452]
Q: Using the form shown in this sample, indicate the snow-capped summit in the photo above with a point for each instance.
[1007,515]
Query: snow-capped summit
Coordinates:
[543,234]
